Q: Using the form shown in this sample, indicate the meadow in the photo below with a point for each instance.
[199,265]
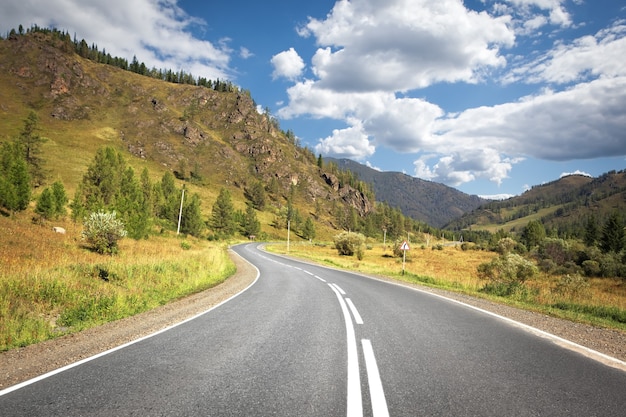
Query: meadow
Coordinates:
[596,301]
[52,284]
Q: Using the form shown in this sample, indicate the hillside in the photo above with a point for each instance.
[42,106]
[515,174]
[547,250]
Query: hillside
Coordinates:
[563,205]
[430,202]
[210,138]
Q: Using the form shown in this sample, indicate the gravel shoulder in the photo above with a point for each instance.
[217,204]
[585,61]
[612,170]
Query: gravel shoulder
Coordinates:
[19,365]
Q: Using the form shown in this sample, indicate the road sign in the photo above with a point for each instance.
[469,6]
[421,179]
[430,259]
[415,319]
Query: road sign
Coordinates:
[404,246]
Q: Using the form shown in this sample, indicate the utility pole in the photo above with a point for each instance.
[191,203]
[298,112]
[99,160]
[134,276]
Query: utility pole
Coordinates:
[180,212]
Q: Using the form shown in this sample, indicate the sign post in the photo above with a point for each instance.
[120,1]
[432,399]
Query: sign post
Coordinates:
[404,247]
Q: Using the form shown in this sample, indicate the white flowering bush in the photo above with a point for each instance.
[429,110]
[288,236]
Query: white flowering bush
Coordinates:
[103,230]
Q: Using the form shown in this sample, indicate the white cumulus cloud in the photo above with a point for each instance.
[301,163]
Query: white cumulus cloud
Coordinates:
[287,64]
[158,33]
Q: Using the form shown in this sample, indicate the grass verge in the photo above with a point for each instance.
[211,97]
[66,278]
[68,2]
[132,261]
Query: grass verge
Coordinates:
[52,285]
[602,303]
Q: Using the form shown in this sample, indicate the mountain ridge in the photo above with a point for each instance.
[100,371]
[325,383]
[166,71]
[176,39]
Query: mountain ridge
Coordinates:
[433,203]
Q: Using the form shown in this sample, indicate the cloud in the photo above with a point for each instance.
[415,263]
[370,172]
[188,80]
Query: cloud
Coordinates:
[497,196]
[158,33]
[585,58]
[372,55]
[584,121]
[245,53]
[287,64]
[577,172]
[367,45]
[351,142]
[529,14]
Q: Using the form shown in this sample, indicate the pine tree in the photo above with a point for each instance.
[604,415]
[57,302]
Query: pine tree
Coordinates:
[591,231]
[256,195]
[308,231]
[191,222]
[612,239]
[533,234]
[30,144]
[250,224]
[15,188]
[222,219]
[20,179]
[59,197]
[45,204]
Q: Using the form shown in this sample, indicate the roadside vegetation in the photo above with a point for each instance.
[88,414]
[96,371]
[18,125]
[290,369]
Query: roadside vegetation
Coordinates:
[52,284]
[501,274]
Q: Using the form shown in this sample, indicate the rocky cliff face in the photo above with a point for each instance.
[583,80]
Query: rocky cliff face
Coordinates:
[218,134]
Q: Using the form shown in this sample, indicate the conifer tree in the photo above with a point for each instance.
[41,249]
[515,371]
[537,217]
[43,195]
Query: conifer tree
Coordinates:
[308,230]
[45,204]
[191,222]
[591,231]
[222,219]
[59,197]
[612,239]
[256,195]
[15,180]
[250,225]
[30,143]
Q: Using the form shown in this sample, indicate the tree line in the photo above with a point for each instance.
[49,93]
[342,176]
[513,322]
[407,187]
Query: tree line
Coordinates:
[93,53]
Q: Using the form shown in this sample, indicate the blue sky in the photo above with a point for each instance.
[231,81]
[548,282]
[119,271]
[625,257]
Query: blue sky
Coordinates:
[489,97]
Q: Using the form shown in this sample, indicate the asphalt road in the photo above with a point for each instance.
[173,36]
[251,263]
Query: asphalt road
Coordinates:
[305,340]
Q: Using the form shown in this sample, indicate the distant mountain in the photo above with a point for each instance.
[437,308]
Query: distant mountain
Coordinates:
[563,206]
[427,201]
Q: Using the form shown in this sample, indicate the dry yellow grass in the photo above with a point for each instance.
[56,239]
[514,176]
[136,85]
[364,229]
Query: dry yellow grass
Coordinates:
[51,284]
[451,265]
[601,301]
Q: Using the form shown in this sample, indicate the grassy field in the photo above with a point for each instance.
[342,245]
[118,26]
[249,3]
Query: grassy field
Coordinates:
[601,301]
[51,284]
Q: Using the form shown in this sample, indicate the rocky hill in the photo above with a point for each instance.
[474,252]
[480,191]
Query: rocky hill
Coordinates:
[209,137]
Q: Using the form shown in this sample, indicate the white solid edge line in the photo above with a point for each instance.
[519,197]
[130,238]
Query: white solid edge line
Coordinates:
[106,352]
[354,399]
[355,313]
[377,394]
[567,344]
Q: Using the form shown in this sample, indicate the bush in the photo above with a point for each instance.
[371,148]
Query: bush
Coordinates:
[591,268]
[505,245]
[102,230]
[509,269]
[571,285]
[349,244]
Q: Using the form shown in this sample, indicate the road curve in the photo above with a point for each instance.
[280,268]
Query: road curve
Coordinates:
[311,341]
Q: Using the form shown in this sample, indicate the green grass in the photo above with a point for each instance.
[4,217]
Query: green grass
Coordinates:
[50,286]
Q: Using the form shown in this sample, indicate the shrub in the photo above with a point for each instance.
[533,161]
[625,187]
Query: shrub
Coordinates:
[591,268]
[505,245]
[508,269]
[571,285]
[350,243]
[102,230]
